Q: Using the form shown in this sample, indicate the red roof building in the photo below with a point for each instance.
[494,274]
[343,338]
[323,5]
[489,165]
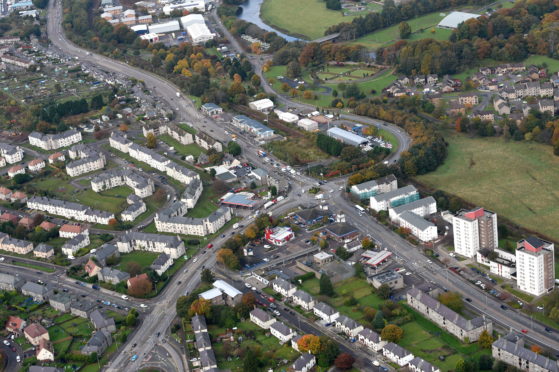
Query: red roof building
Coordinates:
[9,217]
[138,278]
[47,226]
[15,324]
[27,222]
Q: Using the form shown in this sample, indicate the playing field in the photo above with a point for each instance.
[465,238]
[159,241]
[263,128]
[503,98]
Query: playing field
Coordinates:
[518,180]
[388,35]
[302,18]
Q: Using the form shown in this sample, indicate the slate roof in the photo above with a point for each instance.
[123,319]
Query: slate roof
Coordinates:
[370,335]
[422,365]
[302,361]
[261,315]
[325,308]
[199,323]
[341,229]
[203,340]
[396,350]
[281,328]
[303,296]
[513,343]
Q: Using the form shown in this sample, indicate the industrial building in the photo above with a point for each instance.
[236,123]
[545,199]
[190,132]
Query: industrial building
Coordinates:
[195,26]
[346,137]
[453,20]
[162,28]
[250,125]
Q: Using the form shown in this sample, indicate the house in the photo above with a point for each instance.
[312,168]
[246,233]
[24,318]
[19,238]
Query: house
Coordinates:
[101,322]
[19,197]
[389,278]
[54,141]
[9,217]
[283,287]
[91,268]
[45,351]
[468,99]
[81,308]
[311,216]
[47,226]
[264,105]
[341,232]
[15,170]
[56,157]
[261,318]
[303,299]
[36,165]
[43,251]
[511,350]
[418,364]
[370,339]
[5,193]
[112,276]
[10,282]
[60,302]
[76,243]
[199,323]
[34,290]
[467,330]
[27,222]
[348,326]
[325,312]
[15,324]
[15,245]
[105,252]
[70,231]
[35,332]
[322,258]
[133,281]
[397,354]
[202,341]
[98,343]
[162,263]
[208,360]
[304,363]
[282,332]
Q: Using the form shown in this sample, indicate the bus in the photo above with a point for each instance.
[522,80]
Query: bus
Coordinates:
[360,208]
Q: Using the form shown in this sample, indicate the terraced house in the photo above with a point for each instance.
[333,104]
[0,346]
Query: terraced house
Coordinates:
[11,154]
[172,220]
[69,210]
[374,187]
[132,240]
[54,141]
[142,186]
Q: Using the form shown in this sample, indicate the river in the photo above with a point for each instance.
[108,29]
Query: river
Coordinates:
[251,13]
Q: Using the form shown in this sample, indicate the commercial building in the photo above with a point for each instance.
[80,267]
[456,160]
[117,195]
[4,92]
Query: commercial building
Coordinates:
[307,124]
[54,141]
[211,109]
[395,198]
[454,19]
[341,232]
[288,117]
[264,105]
[346,137]
[371,188]
[467,330]
[252,126]
[279,235]
[189,5]
[195,26]
[474,230]
[535,266]
[389,278]
[132,240]
[164,27]
[511,350]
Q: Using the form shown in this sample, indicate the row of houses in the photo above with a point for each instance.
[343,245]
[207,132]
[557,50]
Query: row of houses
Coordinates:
[203,343]
[152,158]
[134,240]
[75,211]
[185,137]
[85,159]
[54,141]
[142,186]
[172,220]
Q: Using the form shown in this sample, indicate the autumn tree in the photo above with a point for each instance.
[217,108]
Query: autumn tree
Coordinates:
[133,268]
[344,361]
[536,349]
[227,257]
[453,300]
[367,244]
[159,195]
[151,141]
[485,340]
[392,333]
[384,291]
[310,343]
[113,222]
[251,232]
[123,127]
[248,299]
[200,306]
[141,288]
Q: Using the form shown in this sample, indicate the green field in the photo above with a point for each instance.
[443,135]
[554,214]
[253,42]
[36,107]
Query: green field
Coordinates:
[552,64]
[517,180]
[34,266]
[144,259]
[192,149]
[391,34]
[307,19]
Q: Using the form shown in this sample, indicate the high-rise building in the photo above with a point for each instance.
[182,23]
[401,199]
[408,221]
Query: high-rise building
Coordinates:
[535,266]
[474,230]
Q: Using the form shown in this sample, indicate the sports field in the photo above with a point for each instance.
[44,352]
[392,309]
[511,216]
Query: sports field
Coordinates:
[391,34]
[518,180]
[307,19]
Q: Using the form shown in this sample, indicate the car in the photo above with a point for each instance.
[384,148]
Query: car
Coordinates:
[276,313]
[18,359]
[93,250]
[524,330]
[209,246]
[248,285]
[223,235]
[195,259]
[504,307]
[124,297]
[12,336]
[64,289]
[266,259]
[143,306]
[6,342]
[134,357]
[540,308]
[468,299]
[520,303]
[84,295]
[253,288]
[158,334]
[548,330]
[134,344]
[179,282]
[98,300]
[407,274]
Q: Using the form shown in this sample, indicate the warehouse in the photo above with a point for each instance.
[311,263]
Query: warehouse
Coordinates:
[264,105]
[288,117]
[454,19]
[140,29]
[346,137]
[196,28]
[307,124]
[161,28]
[189,5]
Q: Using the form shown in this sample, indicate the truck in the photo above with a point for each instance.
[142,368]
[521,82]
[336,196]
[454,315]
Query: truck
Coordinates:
[261,153]
[268,204]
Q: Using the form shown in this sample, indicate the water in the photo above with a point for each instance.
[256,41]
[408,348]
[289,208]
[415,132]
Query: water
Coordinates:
[251,13]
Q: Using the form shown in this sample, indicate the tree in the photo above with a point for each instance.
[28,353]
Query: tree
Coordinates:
[384,291]
[293,70]
[453,300]
[392,333]
[326,287]
[405,30]
[329,350]
[536,349]
[21,178]
[359,270]
[248,299]
[369,313]
[485,340]
[485,362]
[133,268]
[113,222]
[123,127]
[97,102]
[344,361]
[273,190]
[378,321]
[131,320]
[151,140]
[227,257]
[207,276]
[159,195]
[200,306]
[460,366]
[367,244]
[310,343]
[234,148]
[141,287]
[251,361]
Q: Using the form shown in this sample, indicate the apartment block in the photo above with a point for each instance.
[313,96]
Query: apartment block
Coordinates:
[474,230]
[395,198]
[535,266]
[54,141]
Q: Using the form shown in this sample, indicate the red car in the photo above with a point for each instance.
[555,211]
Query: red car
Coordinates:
[524,330]
[210,246]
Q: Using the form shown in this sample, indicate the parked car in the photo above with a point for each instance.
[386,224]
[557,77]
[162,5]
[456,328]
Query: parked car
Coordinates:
[134,357]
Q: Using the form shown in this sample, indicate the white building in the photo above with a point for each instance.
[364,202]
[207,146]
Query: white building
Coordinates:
[303,299]
[263,105]
[69,210]
[171,245]
[12,154]
[88,164]
[142,186]
[282,332]
[195,26]
[15,170]
[325,312]
[307,124]
[283,287]
[76,243]
[504,264]
[54,141]
[397,354]
[371,339]
[419,227]
[535,266]
[172,220]
[261,318]
[474,230]
[288,117]
[401,196]
[454,19]
[422,207]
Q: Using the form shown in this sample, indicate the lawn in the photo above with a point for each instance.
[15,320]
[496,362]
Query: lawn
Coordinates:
[54,184]
[297,151]
[391,34]
[378,83]
[552,64]
[144,259]
[33,266]
[192,149]
[113,200]
[306,19]
[206,204]
[502,176]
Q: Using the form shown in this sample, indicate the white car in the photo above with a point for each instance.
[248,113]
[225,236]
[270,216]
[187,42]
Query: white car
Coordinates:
[124,297]
[408,273]
[248,285]
[143,306]
[93,250]
[195,259]
[6,342]
[18,359]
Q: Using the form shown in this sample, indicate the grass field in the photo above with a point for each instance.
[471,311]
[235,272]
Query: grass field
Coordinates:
[391,34]
[144,259]
[300,150]
[517,180]
[34,266]
[192,149]
[307,19]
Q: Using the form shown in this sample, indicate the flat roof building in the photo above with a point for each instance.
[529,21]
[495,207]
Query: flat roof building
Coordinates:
[453,20]
[346,137]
